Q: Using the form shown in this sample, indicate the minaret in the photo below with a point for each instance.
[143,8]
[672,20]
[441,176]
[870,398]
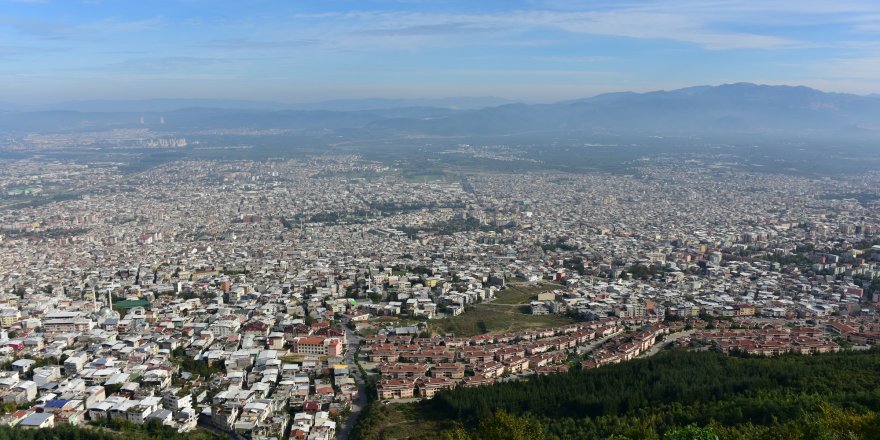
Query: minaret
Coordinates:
[109,300]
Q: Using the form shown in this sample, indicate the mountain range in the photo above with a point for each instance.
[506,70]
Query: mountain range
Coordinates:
[729,108]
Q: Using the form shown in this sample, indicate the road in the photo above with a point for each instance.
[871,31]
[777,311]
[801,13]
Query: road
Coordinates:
[395,401]
[670,338]
[358,405]
[596,342]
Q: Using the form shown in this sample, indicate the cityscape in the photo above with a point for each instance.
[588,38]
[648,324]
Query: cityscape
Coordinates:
[270,299]
[439,220]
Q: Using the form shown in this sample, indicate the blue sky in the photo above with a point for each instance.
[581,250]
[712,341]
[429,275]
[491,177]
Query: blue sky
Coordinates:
[532,50]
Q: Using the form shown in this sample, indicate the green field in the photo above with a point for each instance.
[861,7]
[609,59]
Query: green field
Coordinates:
[507,313]
[523,293]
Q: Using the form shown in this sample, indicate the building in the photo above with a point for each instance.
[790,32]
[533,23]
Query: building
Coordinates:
[396,388]
[317,346]
[38,420]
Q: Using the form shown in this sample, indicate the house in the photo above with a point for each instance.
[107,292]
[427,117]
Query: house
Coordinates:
[38,420]
[93,395]
[74,364]
[539,308]
[256,328]
[744,310]
[517,364]
[224,417]
[162,415]
[384,355]
[448,370]
[101,410]
[429,386]
[58,405]
[8,379]
[317,345]
[396,388]
[177,399]
[477,380]
[14,417]
[23,392]
[23,366]
[276,341]
[74,417]
[491,369]
[403,371]
[44,375]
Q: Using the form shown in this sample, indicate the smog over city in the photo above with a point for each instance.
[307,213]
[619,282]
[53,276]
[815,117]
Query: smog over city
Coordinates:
[415,219]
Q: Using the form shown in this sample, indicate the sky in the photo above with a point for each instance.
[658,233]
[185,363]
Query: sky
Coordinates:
[531,50]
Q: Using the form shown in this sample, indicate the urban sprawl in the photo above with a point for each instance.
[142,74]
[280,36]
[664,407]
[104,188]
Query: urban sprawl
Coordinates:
[269,298]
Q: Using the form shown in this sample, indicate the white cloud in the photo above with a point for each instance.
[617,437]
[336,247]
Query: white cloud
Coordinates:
[710,24]
[623,23]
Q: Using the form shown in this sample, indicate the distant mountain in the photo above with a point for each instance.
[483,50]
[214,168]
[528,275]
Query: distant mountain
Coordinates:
[161,105]
[740,108]
[466,103]
[172,104]
[11,107]
[201,118]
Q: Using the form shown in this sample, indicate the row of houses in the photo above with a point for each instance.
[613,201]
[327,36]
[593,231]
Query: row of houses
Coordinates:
[410,366]
[768,342]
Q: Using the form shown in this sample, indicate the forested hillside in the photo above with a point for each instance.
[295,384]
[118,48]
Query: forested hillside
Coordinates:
[667,396]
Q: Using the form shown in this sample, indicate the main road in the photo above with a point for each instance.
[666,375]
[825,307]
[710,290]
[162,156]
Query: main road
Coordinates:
[670,338]
[358,405]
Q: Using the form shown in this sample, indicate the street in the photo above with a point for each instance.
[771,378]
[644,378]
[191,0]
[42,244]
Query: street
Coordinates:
[358,405]
[670,338]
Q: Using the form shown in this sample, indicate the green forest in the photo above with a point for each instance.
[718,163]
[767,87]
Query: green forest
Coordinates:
[117,430]
[674,395]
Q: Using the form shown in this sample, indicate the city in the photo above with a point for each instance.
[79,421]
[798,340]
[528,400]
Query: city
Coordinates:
[268,299]
[439,220]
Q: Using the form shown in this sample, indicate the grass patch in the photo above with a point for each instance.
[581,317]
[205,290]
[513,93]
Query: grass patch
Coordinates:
[509,312]
[368,331]
[523,293]
[485,318]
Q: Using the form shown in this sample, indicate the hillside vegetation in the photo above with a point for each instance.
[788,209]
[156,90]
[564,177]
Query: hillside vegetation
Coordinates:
[674,395]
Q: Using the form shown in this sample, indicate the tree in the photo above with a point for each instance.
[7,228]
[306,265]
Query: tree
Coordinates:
[825,396]
[457,434]
[691,432]
[375,297]
[837,423]
[503,426]
[8,407]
